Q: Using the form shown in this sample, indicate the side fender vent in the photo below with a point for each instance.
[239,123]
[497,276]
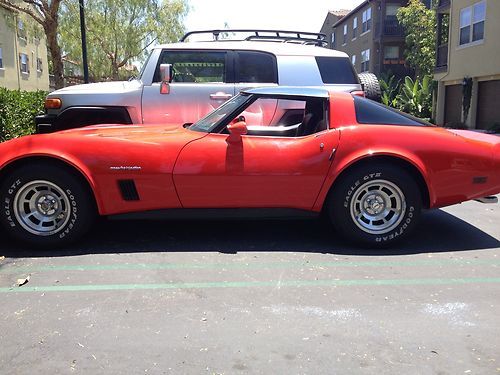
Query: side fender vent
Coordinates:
[128,190]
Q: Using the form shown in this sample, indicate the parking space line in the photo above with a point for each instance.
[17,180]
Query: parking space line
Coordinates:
[256,265]
[249,284]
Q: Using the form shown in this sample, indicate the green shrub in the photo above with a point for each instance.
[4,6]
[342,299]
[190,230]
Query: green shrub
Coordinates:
[17,112]
[410,96]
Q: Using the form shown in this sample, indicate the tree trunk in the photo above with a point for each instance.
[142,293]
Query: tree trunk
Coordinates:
[55,55]
[114,71]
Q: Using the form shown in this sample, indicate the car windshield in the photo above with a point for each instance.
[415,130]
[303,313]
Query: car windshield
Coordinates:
[145,64]
[210,121]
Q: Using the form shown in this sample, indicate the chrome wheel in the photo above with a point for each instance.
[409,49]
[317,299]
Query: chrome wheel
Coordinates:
[42,208]
[378,206]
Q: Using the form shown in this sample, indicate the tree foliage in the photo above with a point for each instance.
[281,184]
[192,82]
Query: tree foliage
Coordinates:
[119,31]
[46,14]
[420,36]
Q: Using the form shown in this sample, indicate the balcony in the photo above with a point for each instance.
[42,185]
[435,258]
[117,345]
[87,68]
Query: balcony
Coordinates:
[389,28]
[442,58]
[443,6]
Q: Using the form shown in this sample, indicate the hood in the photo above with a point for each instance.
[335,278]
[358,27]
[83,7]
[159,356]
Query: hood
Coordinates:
[118,131]
[101,88]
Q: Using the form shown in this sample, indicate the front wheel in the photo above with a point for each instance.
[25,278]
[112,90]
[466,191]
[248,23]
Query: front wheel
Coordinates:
[44,205]
[376,205]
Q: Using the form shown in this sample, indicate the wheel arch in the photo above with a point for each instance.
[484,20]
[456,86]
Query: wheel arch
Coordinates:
[398,161]
[69,166]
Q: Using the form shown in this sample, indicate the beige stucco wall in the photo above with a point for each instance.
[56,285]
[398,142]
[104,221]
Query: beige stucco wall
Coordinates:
[479,60]
[363,41]
[10,75]
[475,60]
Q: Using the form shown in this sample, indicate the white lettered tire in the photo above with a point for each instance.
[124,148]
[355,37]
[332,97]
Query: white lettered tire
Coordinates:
[45,205]
[375,204]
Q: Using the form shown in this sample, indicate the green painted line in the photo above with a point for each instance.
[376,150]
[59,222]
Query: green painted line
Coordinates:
[247,284]
[253,265]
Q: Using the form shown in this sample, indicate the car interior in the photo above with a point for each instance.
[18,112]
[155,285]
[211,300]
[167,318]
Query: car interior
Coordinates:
[293,122]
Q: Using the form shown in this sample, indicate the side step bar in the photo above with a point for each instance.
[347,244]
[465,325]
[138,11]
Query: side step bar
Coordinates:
[490,199]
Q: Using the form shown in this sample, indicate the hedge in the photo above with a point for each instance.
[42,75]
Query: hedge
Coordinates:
[17,112]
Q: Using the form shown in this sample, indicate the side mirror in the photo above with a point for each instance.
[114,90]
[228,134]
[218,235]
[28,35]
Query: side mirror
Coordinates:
[237,129]
[166,78]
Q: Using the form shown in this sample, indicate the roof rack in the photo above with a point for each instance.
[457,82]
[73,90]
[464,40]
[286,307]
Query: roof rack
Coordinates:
[303,37]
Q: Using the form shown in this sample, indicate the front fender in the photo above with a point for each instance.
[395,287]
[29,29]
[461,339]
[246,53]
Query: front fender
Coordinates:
[13,158]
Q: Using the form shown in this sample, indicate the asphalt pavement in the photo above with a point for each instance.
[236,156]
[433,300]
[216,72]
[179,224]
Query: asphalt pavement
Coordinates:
[256,297]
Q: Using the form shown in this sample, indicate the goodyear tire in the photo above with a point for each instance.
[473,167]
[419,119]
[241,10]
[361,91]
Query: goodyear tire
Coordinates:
[45,206]
[376,205]
[371,86]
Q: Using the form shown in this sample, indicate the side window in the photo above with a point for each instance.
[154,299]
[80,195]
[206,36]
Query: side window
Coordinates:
[194,66]
[256,67]
[293,118]
[370,112]
[337,70]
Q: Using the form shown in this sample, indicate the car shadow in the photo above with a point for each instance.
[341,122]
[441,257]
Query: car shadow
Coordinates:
[438,231]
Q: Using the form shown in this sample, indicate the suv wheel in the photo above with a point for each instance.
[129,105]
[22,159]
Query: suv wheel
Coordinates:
[371,86]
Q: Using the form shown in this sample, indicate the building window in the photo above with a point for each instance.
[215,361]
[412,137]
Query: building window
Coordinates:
[1,58]
[39,65]
[391,52]
[21,32]
[472,23]
[333,39]
[24,63]
[354,27]
[367,20]
[391,10]
[365,60]
[353,60]
[344,41]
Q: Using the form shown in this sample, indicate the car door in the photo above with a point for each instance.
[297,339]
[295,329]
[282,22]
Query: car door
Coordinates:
[201,82]
[256,171]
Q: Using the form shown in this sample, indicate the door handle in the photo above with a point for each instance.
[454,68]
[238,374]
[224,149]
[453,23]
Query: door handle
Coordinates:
[220,96]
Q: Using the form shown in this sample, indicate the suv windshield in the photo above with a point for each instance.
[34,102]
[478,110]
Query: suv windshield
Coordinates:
[210,121]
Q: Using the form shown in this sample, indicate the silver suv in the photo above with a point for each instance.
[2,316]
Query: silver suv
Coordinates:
[181,82]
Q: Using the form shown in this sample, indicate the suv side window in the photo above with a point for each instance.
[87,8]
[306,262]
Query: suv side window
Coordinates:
[194,66]
[337,70]
[256,67]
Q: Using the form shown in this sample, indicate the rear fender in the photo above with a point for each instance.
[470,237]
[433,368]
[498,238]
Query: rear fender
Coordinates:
[343,163]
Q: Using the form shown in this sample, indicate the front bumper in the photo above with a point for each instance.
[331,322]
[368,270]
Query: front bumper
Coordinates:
[45,123]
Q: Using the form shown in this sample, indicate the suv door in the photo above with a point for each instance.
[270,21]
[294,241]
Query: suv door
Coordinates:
[201,82]
[257,69]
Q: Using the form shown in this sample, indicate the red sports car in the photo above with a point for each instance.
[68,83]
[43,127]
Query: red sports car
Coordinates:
[270,152]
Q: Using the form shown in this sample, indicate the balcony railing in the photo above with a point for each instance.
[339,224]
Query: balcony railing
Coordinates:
[390,27]
[442,57]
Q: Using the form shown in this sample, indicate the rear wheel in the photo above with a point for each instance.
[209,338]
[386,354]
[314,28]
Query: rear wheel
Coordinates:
[376,205]
[44,205]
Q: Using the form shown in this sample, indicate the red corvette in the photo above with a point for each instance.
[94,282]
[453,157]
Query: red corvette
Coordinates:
[271,151]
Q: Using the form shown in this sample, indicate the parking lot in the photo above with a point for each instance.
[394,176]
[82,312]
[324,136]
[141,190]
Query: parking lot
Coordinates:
[256,297]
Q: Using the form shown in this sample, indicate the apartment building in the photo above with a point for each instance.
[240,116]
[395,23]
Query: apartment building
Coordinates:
[23,52]
[467,63]
[372,36]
